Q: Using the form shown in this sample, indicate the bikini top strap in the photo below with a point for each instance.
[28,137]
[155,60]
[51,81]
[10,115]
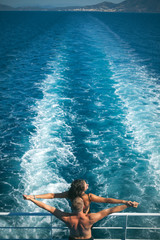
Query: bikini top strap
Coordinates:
[89,197]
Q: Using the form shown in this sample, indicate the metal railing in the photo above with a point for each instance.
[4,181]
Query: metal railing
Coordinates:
[125,228]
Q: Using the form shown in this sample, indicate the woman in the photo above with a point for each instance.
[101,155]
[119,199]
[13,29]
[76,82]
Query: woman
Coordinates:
[78,189]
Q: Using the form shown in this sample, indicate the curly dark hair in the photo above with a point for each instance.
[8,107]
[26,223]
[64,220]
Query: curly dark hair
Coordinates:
[76,189]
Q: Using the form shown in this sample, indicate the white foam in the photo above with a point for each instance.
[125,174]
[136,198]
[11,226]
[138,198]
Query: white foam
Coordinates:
[46,145]
[139,95]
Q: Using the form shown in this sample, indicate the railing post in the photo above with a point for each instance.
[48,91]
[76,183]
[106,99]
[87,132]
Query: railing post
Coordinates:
[125,233]
[51,228]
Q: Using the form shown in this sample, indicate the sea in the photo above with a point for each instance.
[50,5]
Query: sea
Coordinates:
[79,99]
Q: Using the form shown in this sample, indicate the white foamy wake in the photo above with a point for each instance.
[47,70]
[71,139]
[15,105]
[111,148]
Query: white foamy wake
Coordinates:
[48,152]
[138,95]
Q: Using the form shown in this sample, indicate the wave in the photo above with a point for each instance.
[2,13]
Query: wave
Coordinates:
[97,118]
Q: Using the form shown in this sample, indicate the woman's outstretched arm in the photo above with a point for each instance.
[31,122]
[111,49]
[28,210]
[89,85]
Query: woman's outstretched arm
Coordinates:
[49,195]
[39,204]
[94,198]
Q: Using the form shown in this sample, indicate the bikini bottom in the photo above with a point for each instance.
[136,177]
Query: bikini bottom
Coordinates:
[72,238]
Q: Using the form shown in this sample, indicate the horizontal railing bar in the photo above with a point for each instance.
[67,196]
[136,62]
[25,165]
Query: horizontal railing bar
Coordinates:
[24,214]
[153,228]
[135,214]
[59,227]
[38,239]
[49,214]
[108,228]
[32,239]
[126,228]
[25,227]
[67,238]
[63,228]
[129,228]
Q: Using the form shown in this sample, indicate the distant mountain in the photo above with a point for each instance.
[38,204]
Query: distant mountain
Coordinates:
[128,6]
[125,6]
[103,6]
[6,8]
[32,9]
[139,6]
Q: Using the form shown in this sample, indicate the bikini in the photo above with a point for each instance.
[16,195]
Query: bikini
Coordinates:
[88,206]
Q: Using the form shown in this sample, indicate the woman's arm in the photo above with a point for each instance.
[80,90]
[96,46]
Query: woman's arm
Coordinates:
[98,199]
[50,195]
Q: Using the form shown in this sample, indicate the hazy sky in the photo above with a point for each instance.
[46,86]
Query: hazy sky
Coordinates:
[54,3]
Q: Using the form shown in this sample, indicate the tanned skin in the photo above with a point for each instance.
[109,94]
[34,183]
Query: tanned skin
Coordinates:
[80,223]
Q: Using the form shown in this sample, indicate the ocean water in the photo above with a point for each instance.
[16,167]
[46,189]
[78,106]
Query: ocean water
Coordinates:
[80,98]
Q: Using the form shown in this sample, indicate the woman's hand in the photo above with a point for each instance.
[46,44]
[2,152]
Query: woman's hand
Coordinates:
[129,203]
[132,204]
[135,204]
[28,197]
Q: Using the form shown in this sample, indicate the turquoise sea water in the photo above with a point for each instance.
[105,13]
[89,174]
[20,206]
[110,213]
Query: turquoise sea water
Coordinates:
[80,99]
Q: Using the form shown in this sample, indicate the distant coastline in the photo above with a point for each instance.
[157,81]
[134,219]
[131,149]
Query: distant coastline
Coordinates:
[139,6]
